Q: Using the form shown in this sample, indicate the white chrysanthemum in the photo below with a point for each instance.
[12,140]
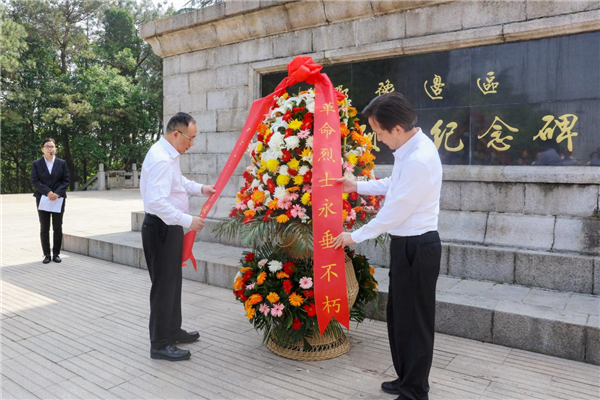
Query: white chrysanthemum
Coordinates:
[280,192]
[255,183]
[265,178]
[303,170]
[271,155]
[292,142]
[275,266]
[283,170]
[250,205]
[310,104]
[309,142]
[276,141]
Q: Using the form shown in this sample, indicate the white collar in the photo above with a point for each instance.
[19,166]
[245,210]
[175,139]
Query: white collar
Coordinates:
[169,147]
[412,142]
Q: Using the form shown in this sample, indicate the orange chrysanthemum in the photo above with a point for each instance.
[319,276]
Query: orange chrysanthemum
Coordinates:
[296,300]
[273,205]
[282,219]
[249,213]
[255,299]
[250,313]
[258,196]
[260,279]
[366,158]
[281,275]
[344,130]
[238,284]
[273,297]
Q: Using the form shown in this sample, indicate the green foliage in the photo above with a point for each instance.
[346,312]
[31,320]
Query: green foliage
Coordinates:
[77,71]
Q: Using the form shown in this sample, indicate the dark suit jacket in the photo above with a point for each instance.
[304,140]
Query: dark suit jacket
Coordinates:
[44,182]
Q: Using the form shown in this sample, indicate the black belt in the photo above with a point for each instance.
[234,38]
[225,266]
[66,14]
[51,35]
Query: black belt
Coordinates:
[152,215]
[407,237]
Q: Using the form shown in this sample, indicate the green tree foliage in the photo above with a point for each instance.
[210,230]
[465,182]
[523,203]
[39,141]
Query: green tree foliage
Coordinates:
[77,71]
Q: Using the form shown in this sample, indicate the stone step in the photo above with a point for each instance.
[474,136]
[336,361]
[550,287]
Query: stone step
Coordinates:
[566,272]
[561,324]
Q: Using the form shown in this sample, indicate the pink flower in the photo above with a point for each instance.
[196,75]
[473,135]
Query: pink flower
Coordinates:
[262,262]
[348,167]
[241,206]
[306,283]
[250,286]
[363,201]
[303,134]
[264,309]
[292,197]
[277,310]
[351,215]
[297,211]
[307,188]
[284,204]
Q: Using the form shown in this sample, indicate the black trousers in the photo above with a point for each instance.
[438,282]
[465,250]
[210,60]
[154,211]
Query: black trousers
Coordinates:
[57,220]
[414,270]
[162,247]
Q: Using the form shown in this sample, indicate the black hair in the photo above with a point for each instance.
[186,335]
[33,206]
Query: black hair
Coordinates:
[390,110]
[48,140]
[178,120]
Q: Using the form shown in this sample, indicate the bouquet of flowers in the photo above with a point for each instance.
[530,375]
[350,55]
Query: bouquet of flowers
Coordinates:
[277,292]
[275,201]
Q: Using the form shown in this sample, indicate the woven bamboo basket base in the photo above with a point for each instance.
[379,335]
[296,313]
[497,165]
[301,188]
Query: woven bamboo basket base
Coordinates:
[323,347]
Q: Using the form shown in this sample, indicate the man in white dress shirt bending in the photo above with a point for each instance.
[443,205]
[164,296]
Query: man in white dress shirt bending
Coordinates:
[165,192]
[410,216]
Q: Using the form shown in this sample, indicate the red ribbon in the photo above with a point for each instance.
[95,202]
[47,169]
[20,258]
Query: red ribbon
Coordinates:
[331,299]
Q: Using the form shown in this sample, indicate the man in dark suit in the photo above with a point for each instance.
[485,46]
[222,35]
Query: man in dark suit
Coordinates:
[50,176]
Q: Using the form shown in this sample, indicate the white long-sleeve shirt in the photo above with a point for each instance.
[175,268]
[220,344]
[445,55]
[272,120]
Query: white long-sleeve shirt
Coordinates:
[164,189]
[412,192]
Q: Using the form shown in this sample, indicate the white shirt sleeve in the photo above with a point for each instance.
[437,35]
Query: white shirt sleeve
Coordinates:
[191,187]
[160,176]
[376,187]
[413,185]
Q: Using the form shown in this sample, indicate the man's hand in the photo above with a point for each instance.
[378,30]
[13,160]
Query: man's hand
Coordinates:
[197,224]
[207,190]
[52,196]
[348,185]
[344,239]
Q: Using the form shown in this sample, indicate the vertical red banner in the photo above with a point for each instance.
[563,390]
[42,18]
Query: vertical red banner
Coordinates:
[331,299]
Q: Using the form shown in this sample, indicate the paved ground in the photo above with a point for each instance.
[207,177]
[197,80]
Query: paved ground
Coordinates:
[79,330]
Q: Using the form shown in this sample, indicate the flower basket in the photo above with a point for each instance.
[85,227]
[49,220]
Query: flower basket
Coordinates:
[274,214]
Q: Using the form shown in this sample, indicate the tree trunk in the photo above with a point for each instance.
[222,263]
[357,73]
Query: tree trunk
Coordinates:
[70,164]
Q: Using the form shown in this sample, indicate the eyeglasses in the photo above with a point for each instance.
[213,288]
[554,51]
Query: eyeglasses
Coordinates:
[50,147]
[190,139]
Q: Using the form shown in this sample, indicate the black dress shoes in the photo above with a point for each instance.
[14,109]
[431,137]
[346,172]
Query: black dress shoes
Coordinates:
[170,353]
[46,260]
[56,259]
[186,337]
[390,387]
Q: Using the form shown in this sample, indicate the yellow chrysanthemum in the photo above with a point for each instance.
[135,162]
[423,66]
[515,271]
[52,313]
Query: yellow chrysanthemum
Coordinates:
[273,297]
[295,125]
[245,269]
[344,196]
[344,215]
[249,213]
[250,313]
[305,199]
[282,219]
[238,284]
[272,165]
[285,96]
[260,279]
[259,147]
[263,167]
[352,111]
[294,164]
[282,275]
[352,159]
[307,154]
[296,300]
[273,204]
[255,299]
[283,180]
[298,180]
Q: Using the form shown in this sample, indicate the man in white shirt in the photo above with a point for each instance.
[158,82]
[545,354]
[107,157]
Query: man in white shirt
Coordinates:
[165,193]
[410,216]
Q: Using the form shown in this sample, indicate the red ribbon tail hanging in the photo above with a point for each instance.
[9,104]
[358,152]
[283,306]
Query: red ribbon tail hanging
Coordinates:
[187,254]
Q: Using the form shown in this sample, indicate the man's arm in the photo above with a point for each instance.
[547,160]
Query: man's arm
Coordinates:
[413,185]
[377,187]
